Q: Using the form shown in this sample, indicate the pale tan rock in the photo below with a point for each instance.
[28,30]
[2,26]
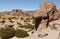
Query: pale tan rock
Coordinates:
[45,7]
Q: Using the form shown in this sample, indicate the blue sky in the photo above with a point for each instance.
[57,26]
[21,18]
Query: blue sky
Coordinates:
[7,5]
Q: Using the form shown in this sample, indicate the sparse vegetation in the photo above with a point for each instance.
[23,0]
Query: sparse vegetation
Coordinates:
[29,26]
[9,18]
[11,21]
[7,33]
[3,21]
[21,18]
[14,17]
[3,18]
[25,21]
[21,33]
[0,31]
[19,23]
[33,21]
[10,25]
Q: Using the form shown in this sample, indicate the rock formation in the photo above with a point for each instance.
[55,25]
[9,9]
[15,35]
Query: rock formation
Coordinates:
[46,7]
[17,11]
[46,14]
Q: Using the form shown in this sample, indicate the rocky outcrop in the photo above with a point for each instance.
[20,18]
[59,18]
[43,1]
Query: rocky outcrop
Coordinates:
[17,11]
[53,29]
[47,13]
[56,15]
[46,7]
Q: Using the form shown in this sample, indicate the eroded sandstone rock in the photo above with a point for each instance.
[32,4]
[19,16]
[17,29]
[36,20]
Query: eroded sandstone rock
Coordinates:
[46,7]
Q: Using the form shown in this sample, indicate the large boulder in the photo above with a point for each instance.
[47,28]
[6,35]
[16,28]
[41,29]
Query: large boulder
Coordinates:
[46,14]
[46,7]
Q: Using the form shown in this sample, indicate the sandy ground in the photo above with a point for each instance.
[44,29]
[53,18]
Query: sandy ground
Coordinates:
[47,33]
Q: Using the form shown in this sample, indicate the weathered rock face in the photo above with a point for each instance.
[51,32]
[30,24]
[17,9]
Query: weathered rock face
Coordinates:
[46,7]
[56,15]
[48,13]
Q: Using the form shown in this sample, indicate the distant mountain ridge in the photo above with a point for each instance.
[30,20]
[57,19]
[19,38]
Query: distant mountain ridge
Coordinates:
[31,11]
